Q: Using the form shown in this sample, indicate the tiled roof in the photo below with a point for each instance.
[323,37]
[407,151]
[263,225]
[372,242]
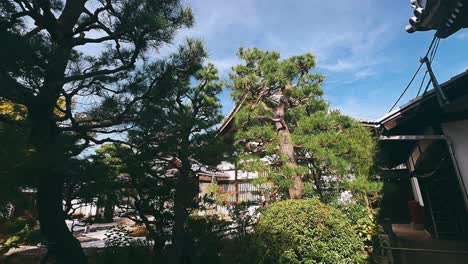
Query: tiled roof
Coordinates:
[230,116]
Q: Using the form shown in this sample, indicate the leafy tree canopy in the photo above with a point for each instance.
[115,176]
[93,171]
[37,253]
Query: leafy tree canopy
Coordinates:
[287,130]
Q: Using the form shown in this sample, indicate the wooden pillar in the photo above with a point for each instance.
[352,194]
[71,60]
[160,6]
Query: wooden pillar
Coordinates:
[236,183]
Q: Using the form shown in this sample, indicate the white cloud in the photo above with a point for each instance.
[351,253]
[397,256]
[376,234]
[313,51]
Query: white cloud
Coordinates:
[462,35]
[351,107]
[350,39]
[340,65]
[214,16]
[364,73]
[346,36]
[224,65]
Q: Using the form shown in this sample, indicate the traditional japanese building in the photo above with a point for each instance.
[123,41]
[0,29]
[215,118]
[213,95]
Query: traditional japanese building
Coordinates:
[424,155]
[236,183]
[444,16]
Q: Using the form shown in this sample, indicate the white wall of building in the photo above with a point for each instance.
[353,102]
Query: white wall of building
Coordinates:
[457,132]
[88,209]
[229,169]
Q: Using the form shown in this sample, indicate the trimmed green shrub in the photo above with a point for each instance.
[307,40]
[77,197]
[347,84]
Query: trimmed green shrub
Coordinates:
[307,231]
[363,221]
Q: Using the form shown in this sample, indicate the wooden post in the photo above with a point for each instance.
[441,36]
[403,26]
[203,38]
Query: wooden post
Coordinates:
[236,183]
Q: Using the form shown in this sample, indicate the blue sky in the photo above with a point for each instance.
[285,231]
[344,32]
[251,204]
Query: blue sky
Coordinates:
[360,45]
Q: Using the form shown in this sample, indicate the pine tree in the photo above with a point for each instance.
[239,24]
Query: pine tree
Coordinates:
[42,61]
[175,134]
[285,129]
[336,150]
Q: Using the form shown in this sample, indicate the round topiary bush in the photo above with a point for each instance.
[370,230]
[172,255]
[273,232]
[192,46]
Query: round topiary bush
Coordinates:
[307,231]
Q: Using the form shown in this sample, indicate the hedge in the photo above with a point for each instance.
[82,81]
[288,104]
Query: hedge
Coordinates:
[307,231]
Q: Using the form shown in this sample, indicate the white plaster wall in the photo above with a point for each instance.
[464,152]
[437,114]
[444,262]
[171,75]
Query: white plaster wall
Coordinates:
[225,165]
[241,175]
[458,134]
[229,169]
[87,210]
[417,191]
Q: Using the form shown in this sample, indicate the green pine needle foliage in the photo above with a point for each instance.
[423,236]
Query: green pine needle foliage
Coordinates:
[326,142]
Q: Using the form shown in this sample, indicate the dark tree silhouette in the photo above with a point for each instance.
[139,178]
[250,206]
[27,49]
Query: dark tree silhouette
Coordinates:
[84,54]
[177,131]
[173,139]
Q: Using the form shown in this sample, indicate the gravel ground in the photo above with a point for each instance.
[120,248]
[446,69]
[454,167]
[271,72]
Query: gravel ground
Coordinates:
[92,241]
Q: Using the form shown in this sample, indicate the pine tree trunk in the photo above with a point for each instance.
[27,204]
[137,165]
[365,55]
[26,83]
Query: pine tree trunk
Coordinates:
[180,218]
[61,244]
[185,196]
[108,209]
[297,189]
[105,209]
[155,235]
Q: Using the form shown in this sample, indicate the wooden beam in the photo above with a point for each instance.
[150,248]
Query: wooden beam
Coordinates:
[236,182]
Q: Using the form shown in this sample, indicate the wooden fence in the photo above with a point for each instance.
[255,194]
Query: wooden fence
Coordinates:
[246,191]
